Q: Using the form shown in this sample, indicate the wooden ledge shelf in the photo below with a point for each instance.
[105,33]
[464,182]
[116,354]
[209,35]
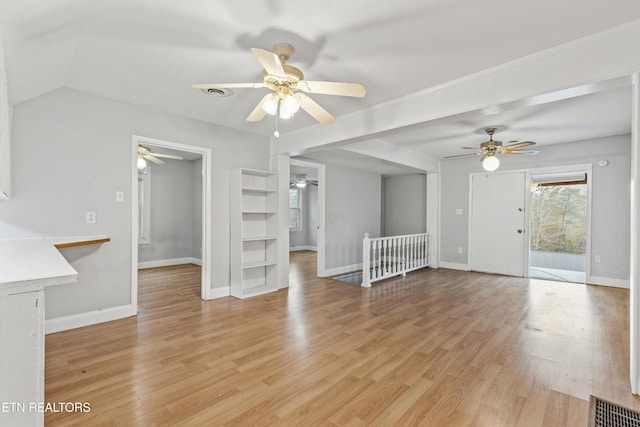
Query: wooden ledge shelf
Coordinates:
[82,243]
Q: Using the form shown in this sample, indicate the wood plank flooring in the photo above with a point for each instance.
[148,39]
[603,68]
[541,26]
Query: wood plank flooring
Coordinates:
[435,348]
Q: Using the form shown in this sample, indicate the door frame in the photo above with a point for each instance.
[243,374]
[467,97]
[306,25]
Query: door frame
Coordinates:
[586,167]
[206,153]
[322,191]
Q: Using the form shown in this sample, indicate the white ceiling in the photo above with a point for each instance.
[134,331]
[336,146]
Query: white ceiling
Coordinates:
[148,52]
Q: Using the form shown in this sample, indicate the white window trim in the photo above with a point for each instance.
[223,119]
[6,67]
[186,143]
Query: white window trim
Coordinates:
[299,208]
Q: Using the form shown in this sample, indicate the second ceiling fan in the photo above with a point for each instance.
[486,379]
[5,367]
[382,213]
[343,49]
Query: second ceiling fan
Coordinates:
[489,149]
[289,87]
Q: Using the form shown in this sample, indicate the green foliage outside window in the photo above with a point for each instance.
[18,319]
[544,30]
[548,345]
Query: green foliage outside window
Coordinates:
[558,219]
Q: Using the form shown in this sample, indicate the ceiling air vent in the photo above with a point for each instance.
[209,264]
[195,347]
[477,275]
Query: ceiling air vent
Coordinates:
[218,92]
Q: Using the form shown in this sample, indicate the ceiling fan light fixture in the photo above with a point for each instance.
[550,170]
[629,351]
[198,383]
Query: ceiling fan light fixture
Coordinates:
[289,106]
[490,163]
[142,163]
[270,105]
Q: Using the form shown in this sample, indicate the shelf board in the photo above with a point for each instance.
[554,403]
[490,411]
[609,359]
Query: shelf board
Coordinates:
[258,190]
[256,172]
[82,243]
[258,264]
[259,212]
[257,239]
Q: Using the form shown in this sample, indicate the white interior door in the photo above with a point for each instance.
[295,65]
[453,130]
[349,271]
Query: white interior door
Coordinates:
[497,236]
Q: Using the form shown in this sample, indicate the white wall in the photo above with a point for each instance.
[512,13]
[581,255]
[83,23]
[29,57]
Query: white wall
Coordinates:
[173,204]
[353,203]
[308,236]
[405,201]
[72,152]
[610,221]
[196,250]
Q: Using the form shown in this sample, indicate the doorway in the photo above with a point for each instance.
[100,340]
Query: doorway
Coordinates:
[203,212]
[313,228]
[559,226]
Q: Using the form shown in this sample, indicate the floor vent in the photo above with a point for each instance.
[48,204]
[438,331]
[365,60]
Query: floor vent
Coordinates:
[607,414]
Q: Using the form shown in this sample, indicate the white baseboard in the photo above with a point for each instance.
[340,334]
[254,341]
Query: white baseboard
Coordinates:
[73,321]
[608,281]
[454,266]
[222,292]
[330,272]
[303,248]
[169,262]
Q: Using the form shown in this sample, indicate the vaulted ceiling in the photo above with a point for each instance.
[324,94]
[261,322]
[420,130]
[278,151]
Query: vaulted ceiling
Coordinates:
[149,52]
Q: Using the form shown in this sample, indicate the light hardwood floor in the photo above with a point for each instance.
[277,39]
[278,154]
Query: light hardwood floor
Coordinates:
[438,348]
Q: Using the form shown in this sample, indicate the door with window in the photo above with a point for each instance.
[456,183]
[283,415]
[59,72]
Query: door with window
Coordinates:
[497,223]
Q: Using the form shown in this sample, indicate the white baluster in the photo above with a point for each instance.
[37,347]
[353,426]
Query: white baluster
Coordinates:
[394,258]
[385,246]
[366,252]
[413,251]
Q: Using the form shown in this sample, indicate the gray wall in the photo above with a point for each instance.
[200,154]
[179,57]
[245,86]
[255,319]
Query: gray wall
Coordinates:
[72,151]
[353,202]
[173,204]
[405,201]
[308,236]
[610,221]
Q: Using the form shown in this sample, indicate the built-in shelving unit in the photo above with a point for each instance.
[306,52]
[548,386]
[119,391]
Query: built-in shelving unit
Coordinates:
[254,230]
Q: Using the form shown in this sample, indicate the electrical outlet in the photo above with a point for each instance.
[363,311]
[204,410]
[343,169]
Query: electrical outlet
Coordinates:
[458,211]
[119,196]
[90,217]
[459,249]
[596,258]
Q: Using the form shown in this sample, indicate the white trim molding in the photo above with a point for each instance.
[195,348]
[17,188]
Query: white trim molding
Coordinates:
[609,281]
[354,268]
[455,266]
[169,262]
[216,293]
[79,320]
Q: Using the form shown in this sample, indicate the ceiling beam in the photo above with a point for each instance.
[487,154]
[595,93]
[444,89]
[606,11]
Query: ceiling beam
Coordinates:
[387,151]
[595,58]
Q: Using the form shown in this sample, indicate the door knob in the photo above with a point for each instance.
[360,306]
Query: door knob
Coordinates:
[520,231]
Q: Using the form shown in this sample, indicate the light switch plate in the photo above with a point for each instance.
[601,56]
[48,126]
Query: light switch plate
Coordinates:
[120,196]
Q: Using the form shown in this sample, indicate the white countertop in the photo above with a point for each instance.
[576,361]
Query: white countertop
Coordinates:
[34,263]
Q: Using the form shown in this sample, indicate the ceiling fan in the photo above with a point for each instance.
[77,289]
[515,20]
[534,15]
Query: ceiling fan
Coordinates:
[289,88]
[144,154]
[301,181]
[489,149]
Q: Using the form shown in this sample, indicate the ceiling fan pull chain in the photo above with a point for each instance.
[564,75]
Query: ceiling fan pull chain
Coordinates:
[276,134]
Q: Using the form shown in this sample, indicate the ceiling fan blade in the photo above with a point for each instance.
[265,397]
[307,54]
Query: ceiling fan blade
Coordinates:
[472,148]
[227,85]
[464,155]
[258,113]
[333,88]
[520,151]
[153,159]
[270,62]
[314,109]
[520,144]
[167,156]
